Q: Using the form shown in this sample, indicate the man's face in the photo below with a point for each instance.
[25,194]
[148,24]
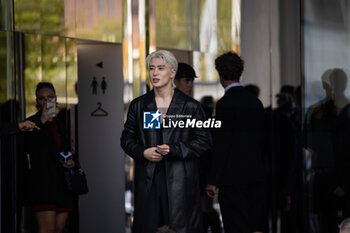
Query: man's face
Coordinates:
[185,85]
[160,73]
[42,97]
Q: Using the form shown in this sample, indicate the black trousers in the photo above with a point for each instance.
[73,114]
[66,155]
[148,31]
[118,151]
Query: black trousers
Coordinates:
[243,207]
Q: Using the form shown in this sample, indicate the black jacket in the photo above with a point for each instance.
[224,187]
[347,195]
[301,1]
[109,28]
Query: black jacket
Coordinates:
[238,144]
[7,129]
[44,176]
[187,145]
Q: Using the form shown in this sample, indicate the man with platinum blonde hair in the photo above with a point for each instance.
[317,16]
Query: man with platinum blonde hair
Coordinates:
[167,195]
[166,56]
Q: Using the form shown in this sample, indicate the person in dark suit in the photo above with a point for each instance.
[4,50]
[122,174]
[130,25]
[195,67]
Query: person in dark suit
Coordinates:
[45,173]
[237,161]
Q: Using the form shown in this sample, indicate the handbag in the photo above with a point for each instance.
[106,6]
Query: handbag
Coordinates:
[76,181]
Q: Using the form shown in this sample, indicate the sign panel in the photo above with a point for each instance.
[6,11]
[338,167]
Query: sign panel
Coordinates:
[100,119]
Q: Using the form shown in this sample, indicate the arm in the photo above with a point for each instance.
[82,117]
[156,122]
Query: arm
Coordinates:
[129,140]
[27,126]
[8,129]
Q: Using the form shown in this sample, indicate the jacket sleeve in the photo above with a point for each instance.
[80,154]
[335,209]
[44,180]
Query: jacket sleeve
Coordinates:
[129,140]
[7,129]
[199,144]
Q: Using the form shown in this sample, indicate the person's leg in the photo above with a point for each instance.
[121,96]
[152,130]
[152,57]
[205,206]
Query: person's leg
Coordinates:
[234,209]
[46,221]
[61,218]
[257,199]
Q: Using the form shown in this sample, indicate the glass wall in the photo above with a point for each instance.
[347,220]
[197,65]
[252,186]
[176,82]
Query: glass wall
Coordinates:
[6,16]
[326,62]
[50,59]
[205,27]
[93,19]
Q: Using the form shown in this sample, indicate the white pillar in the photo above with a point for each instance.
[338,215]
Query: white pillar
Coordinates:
[100,119]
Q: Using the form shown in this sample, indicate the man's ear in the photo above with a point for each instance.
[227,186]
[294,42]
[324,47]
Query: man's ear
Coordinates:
[173,73]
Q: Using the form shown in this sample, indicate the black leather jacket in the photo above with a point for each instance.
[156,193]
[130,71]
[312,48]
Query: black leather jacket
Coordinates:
[187,145]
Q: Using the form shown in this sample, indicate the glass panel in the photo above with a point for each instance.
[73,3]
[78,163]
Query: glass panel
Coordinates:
[6,15]
[99,20]
[69,18]
[32,71]
[224,22]
[50,59]
[53,59]
[327,118]
[71,70]
[52,17]
[208,26]
[176,23]
[27,15]
[94,19]
[53,66]
[207,82]
[6,67]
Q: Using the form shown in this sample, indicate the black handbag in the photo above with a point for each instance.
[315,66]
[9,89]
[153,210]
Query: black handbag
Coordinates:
[76,181]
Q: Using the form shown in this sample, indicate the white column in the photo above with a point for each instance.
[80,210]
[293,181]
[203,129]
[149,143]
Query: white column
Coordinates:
[100,122]
[260,46]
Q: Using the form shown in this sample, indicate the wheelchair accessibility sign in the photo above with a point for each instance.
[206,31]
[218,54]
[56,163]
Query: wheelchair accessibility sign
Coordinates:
[151,120]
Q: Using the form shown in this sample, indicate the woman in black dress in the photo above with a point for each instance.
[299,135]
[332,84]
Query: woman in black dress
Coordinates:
[47,194]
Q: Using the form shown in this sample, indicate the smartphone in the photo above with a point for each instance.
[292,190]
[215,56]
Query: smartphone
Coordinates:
[51,102]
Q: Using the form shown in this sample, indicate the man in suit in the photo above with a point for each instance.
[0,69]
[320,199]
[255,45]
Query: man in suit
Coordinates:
[237,164]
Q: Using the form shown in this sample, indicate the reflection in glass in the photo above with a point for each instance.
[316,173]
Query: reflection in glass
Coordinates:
[27,16]
[52,17]
[6,67]
[71,70]
[175,22]
[32,71]
[99,20]
[327,118]
[6,17]
[93,19]
[50,59]
[208,26]
[207,82]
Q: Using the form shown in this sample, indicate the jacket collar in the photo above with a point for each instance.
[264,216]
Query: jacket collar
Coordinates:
[177,103]
[232,89]
[150,101]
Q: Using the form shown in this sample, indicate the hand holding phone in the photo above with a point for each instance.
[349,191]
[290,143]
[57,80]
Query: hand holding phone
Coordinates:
[51,105]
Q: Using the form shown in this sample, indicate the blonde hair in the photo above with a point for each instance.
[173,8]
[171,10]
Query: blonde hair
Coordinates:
[166,56]
[344,223]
